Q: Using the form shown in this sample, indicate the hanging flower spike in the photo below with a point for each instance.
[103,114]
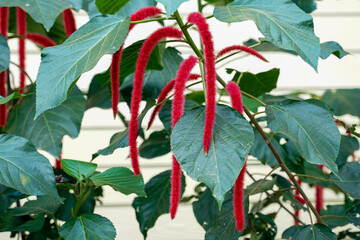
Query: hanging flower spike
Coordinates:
[297,212]
[162,96]
[21,31]
[241,48]
[4,23]
[238,197]
[41,40]
[182,76]
[206,38]
[69,22]
[319,195]
[148,45]
[115,63]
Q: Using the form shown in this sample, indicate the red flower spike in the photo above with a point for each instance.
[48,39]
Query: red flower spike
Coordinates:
[21,31]
[148,45]
[319,195]
[239,212]
[241,48]
[4,24]
[182,76]
[297,212]
[162,96]
[69,21]
[41,40]
[238,198]
[115,63]
[206,38]
[300,199]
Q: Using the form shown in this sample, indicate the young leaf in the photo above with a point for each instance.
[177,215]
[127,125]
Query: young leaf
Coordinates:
[157,201]
[110,6]
[121,179]
[282,23]
[157,144]
[171,5]
[231,142]
[78,169]
[43,204]
[256,84]
[217,224]
[24,169]
[343,101]
[42,11]
[101,35]
[5,54]
[47,131]
[350,179]
[88,226]
[10,97]
[328,48]
[311,128]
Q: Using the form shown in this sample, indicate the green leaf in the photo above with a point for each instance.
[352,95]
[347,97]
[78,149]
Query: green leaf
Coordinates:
[350,179]
[157,202]
[120,139]
[343,101]
[33,225]
[311,128]
[171,5]
[347,147]
[307,6]
[43,204]
[217,224]
[166,112]
[88,226]
[110,6]
[316,232]
[337,215]
[328,48]
[282,23]
[101,35]
[251,104]
[157,144]
[42,11]
[155,80]
[231,142]
[121,179]
[12,96]
[261,150]
[99,93]
[47,131]
[78,169]
[256,84]
[255,188]
[5,54]
[24,169]
[353,215]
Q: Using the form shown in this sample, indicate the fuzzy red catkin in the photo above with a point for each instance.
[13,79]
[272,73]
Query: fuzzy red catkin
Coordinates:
[238,197]
[69,22]
[319,195]
[21,31]
[41,40]
[241,48]
[115,63]
[206,38]
[4,24]
[148,46]
[182,76]
[162,96]
[297,212]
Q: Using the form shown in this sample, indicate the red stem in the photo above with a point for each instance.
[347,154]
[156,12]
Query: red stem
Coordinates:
[148,45]
[206,38]
[69,21]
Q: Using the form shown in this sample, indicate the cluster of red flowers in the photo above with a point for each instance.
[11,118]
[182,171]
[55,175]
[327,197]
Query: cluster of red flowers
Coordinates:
[4,24]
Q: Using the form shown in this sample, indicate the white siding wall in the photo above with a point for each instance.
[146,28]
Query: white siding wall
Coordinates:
[334,20]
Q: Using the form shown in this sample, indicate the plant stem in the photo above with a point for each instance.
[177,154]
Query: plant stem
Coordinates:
[283,165]
[152,20]
[276,200]
[252,97]
[23,70]
[84,194]
[262,180]
[123,119]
